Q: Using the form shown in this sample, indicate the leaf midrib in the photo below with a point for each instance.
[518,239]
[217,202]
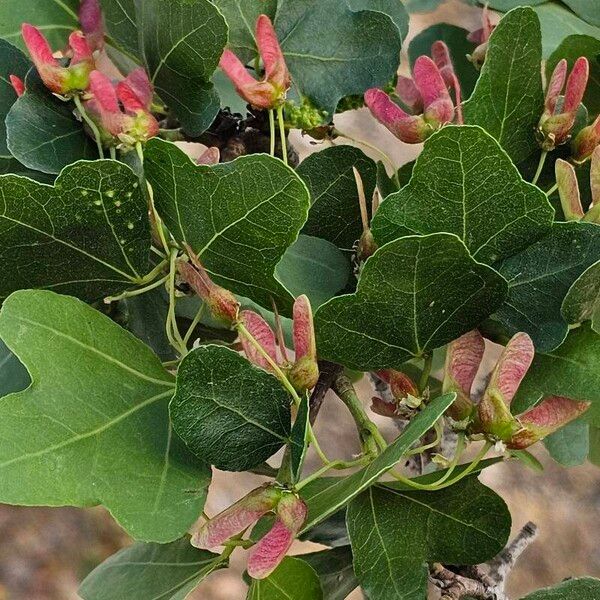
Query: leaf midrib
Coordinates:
[93,350]
[98,430]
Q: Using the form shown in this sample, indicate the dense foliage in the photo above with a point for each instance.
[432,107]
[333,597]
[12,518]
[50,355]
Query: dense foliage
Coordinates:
[164,315]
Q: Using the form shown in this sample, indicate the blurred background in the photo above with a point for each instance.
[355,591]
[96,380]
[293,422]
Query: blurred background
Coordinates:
[45,553]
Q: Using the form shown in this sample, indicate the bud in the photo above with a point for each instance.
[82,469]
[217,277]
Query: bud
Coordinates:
[17,84]
[270,92]
[211,156]
[586,141]
[545,418]
[92,23]
[263,334]
[556,122]
[437,105]
[494,409]
[235,519]
[304,373]
[463,359]
[268,553]
[401,385]
[58,79]
[122,112]
[221,302]
[409,94]
[568,189]
[410,129]
[441,57]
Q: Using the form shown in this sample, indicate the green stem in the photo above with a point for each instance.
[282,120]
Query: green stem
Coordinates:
[272,130]
[157,252]
[157,220]
[336,464]
[552,190]
[172,330]
[543,156]
[113,152]
[136,292]
[192,327]
[436,441]
[312,438]
[460,448]
[371,438]
[90,124]
[282,133]
[151,276]
[441,484]
[423,382]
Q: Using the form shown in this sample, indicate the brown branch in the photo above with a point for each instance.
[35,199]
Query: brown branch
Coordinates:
[455,586]
[486,581]
[328,373]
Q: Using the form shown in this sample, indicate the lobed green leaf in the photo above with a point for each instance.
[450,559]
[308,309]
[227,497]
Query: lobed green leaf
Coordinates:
[414,294]
[239,217]
[464,183]
[93,427]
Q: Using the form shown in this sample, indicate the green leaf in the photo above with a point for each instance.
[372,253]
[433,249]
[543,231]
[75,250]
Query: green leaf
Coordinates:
[459,46]
[362,50]
[314,267]
[13,375]
[56,18]
[293,578]
[299,439]
[394,534]
[594,455]
[508,98]
[414,294]
[588,10]
[557,23]
[12,62]
[230,413]
[464,183]
[582,302]
[240,217]
[570,445]
[241,17]
[150,572]
[571,48]
[572,370]
[327,496]
[584,588]
[88,236]
[539,279]
[392,8]
[93,428]
[335,212]
[334,568]
[121,25]
[182,42]
[42,131]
